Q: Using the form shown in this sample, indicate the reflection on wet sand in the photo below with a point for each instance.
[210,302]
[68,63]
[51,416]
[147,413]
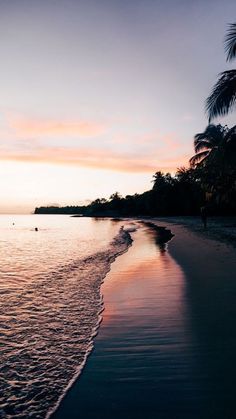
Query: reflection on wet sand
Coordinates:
[142,364]
[166,346]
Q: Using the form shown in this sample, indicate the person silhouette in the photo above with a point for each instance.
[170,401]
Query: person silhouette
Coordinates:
[203,212]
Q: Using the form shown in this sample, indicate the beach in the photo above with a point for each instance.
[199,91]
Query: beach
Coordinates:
[118,209]
[166,345]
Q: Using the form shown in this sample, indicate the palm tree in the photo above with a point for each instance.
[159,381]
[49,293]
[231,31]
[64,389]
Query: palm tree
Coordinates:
[230,42]
[214,164]
[207,143]
[223,96]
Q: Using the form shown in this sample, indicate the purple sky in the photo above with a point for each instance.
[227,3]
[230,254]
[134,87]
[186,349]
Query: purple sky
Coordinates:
[98,95]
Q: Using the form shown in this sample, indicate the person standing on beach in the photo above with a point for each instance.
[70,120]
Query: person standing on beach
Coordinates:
[203,212]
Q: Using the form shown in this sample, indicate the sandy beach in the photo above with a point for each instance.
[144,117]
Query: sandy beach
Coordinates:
[166,346]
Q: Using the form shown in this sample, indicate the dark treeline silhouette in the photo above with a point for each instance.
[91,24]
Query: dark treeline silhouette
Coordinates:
[170,195]
[209,182]
[60,210]
[181,194]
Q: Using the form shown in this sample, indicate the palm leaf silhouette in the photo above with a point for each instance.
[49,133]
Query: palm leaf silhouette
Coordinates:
[199,158]
[223,95]
[230,42]
[206,143]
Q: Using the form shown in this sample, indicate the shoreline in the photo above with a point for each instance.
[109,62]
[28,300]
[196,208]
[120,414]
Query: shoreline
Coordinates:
[51,412]
[219,228]
[207,300]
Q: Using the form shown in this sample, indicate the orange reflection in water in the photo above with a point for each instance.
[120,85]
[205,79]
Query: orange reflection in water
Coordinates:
[144,288]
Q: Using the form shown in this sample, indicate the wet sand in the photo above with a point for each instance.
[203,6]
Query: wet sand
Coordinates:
[218,228]
[166,346]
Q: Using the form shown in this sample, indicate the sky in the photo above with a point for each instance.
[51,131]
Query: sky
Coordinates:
[98,95]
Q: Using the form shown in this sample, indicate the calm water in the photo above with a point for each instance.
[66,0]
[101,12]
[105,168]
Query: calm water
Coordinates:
[166,347]
[49,304]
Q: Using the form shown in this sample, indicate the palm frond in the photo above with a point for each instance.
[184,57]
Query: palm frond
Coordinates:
[198,158]
[223,95]
[202,145]
[230,42]
[201,136]
[212,131]
[211,137]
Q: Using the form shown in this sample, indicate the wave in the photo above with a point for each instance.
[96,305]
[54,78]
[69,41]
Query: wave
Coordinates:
[48,330]
[118,246]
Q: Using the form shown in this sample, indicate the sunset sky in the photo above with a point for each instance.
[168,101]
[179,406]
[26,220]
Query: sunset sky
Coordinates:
[97,95]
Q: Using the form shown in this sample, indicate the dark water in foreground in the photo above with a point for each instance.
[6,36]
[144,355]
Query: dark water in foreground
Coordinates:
[156,355]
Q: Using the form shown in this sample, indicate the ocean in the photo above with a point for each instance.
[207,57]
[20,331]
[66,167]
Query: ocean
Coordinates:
[166,346]
[50,304]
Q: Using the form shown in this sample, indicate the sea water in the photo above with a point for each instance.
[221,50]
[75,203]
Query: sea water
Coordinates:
[50,304]
[166,347]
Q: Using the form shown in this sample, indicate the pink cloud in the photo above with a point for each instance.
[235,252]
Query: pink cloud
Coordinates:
[95,158]
[147,152]
[33,127]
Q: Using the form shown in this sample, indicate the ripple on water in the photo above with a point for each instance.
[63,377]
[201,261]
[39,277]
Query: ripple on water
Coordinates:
[46,331]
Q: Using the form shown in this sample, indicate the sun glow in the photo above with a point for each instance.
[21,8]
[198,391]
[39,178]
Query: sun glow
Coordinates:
[27,185]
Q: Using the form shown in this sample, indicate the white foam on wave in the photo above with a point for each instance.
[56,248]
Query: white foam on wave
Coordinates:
[119,245]
[47,332]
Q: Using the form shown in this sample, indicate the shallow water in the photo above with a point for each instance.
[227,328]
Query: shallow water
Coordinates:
[151,357]
[49,304]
